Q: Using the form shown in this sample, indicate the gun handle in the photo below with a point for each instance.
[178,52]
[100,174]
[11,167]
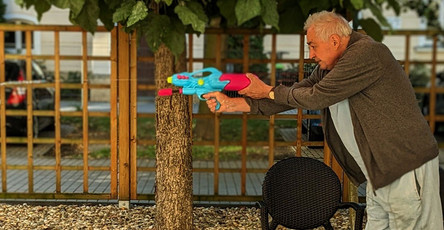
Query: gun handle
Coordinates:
[218,103]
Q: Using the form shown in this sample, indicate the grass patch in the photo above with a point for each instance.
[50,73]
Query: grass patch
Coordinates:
[199,153]
[231,130]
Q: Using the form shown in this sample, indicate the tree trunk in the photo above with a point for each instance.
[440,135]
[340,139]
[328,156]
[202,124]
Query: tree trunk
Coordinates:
[174,194]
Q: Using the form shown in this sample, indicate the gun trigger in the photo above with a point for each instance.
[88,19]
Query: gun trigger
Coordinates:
[218,103]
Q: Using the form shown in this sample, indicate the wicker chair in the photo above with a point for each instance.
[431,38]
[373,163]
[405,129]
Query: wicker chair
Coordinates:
[303,193]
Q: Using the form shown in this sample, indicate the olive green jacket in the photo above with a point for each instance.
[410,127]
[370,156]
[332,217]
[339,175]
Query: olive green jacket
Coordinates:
[392,135]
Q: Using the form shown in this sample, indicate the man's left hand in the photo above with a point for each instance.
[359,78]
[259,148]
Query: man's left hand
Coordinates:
[257,88]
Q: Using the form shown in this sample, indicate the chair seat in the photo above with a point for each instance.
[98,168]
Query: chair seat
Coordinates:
[302,193]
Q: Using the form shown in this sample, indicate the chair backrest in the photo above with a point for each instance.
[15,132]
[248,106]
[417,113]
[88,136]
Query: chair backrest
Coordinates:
[301,192]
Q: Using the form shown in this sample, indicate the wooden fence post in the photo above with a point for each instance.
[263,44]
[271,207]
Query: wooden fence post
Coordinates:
[123,80]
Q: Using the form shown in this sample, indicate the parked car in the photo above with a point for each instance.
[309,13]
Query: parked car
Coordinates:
[42,98]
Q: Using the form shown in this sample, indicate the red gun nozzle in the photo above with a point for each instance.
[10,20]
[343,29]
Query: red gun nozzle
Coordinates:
[168,92]
[165,92]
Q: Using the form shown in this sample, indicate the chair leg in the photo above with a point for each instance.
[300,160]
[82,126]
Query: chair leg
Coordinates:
[264,220]
[264,216]
[327,226]
[274,225]
[359,218]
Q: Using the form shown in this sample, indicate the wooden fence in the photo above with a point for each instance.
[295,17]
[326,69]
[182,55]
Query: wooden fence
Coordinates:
[123,140]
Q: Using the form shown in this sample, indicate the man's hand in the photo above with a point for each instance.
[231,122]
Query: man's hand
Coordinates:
[214,98]
[227,104]
[257,88]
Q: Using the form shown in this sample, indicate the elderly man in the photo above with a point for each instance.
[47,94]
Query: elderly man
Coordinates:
[371,122]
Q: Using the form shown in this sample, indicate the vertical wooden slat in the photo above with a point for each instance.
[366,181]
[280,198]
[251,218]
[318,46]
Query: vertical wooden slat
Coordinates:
[29,108]
[331,161]
[2,111]
[244,154]
[216,152]
[124,92]
[327,155]
[113,113]
[85,110]
[432,105]
[219,51]
[190,69]
[133,114]
[271,130]
[246,60]
[190,52]
[58,136]
[217,127]
[301,77]
[407,54]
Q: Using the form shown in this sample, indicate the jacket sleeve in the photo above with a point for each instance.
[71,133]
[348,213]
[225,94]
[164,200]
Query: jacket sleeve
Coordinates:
[270,107]
[358,68]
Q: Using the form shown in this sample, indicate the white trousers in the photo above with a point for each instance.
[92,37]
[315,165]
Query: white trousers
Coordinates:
[410,202]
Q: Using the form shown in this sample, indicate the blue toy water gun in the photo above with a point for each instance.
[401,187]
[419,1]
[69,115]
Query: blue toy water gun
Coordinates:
[204,81]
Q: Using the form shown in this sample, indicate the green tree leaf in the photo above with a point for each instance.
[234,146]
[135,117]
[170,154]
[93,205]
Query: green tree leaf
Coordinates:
[76,6]
[395,5]
[112,4]
[87,18]
[155,30]
[269,13]
[357,4]
[188,16]
[227,10]
[106,15]
[62,4]
[308,6]
[198,10]
[291,13]
[24,3]
[174,37]
[372,28]
[2,12]
[138,12]
[246,10]
[168,2]
[377,12]
[124,11]
[41,8]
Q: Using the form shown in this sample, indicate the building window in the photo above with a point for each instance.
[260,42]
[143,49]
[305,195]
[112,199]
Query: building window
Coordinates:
[16,40]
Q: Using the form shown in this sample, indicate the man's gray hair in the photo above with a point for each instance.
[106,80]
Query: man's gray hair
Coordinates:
[327,23]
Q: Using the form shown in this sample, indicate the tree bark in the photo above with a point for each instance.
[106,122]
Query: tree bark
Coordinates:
[173,195]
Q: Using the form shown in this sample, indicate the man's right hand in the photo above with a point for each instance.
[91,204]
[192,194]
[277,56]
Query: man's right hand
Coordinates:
[227,104]
[214,98]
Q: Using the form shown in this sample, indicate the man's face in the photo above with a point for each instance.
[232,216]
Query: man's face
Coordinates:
[323,52]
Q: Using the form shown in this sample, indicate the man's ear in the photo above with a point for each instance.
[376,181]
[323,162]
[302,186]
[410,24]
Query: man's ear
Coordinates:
[335,40]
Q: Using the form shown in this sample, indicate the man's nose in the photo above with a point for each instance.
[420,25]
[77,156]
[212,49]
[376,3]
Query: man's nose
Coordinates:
[311,54]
